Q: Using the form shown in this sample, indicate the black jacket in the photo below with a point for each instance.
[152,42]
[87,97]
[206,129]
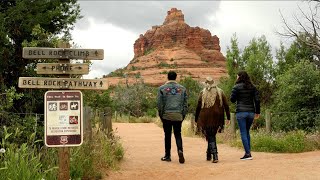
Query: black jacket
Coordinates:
[248,100]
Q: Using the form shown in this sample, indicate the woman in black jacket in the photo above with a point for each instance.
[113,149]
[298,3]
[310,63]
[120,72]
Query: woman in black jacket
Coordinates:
[246,97]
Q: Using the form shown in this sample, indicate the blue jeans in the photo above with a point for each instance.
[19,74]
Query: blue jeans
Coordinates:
[245,120]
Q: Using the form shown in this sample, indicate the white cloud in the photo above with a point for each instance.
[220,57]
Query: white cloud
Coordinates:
[114,26]
[249,19]
[116,42]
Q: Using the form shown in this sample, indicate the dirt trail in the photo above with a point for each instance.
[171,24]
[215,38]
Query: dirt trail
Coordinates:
[144,147]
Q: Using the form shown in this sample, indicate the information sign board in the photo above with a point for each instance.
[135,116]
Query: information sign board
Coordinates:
[63,118]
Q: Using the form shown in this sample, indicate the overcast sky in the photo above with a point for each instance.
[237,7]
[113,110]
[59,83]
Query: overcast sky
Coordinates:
[115,25]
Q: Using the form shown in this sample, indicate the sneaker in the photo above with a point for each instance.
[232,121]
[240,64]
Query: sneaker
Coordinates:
[247,157]
[181,158]
[166,158]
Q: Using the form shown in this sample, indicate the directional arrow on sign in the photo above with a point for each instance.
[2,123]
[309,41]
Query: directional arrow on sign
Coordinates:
[59,68]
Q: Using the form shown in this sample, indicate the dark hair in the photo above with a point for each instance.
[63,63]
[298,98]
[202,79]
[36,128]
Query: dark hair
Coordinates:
[244,78]
[172,75]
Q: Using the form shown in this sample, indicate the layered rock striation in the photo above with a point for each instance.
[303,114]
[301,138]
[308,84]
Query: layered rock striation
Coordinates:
[174,45]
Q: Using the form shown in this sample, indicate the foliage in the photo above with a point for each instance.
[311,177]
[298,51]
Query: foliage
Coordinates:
[298,91]
[305,29]
[164,72]
[148,51]
[29,161]
[22,163]
[287,58]
[29,23]
[135,99]
[233,59]
[22,160]
[88,160]
[193,89]
[8,97]
[166,65]
[97,100]
[117,73]
[22,19]
[152,112]
[131,119]
[291,142]
[257,61]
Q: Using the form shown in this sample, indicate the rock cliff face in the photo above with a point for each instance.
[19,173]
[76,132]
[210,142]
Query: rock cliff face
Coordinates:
[174,45]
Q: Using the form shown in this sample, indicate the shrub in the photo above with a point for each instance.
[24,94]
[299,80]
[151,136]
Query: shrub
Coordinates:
[152,112]
[291,142]
[89,159]
[193,89]
[22,163]
[297,98]
[148,51]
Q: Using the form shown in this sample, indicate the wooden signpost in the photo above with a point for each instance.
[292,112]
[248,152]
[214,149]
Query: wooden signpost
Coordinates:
[62,53]
[57,68]
[63,108]
[62,83]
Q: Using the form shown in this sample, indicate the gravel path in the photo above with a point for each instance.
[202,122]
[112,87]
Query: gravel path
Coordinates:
[144,146]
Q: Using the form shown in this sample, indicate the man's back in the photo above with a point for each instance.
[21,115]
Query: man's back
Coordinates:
[172,101]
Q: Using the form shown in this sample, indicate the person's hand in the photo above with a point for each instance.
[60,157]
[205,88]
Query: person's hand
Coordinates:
[256,116]
[227,121]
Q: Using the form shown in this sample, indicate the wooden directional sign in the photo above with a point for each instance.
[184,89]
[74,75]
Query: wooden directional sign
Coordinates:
[62,83]
[61,53]
[62,68]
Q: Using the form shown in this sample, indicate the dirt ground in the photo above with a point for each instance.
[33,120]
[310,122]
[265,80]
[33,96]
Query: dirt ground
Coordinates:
[144,146]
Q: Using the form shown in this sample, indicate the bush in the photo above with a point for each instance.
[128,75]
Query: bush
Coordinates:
[297,98]
[287,121]
[193,89]
[152,112]
[29,161]
[291,142]
[134,100]
[88,160]
[22,163]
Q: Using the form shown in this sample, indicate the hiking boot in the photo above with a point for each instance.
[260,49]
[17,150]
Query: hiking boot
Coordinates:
[247,157]
[209,156]
[181,158]
[215,158]
[166,158]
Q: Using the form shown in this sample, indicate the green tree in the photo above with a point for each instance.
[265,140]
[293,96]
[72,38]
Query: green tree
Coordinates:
[193,89]
[305,29]
[234,61]
[97,99]
[23,22]
[298,96]
[258,62]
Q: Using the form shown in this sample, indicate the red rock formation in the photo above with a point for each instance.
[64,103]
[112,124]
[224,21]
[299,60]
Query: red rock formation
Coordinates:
[174,16]
[175,45]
